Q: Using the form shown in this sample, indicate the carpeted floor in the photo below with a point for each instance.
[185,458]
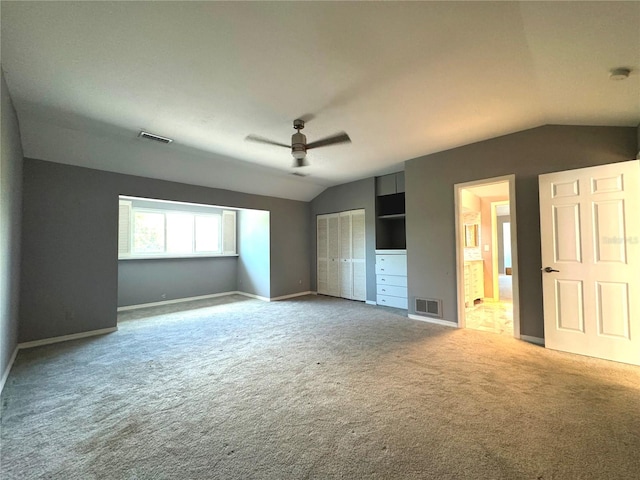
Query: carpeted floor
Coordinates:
[313,388]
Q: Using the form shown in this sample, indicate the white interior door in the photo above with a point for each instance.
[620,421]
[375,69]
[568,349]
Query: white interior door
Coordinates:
[590,236]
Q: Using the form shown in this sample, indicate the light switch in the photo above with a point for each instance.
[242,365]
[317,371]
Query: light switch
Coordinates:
[486,248]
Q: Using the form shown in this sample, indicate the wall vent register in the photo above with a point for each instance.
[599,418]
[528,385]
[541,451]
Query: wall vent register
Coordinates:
[429,306]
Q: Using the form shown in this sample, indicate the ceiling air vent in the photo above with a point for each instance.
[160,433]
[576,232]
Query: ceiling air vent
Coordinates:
[157,138]
[429,306]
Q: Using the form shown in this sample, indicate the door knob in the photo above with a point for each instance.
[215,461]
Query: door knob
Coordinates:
[549,270]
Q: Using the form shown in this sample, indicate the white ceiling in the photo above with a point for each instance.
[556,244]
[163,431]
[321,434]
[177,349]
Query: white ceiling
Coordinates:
[403,79]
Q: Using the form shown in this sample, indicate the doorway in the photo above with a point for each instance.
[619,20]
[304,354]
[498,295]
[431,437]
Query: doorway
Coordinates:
[486,254]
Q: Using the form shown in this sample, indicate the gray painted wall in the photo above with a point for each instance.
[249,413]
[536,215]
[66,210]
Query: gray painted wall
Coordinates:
[430,209]
[69,278]
[349,196]
[151,280]
[10,217]
[254,263]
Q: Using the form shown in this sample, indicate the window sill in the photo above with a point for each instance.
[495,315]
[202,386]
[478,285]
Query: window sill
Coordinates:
[173,257]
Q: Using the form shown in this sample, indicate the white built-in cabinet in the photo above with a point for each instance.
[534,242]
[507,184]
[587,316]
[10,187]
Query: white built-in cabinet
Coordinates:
[473,282]
[341,255]
[391,278]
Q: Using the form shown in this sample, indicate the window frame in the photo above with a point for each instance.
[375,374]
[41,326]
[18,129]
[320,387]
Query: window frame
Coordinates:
[219,216]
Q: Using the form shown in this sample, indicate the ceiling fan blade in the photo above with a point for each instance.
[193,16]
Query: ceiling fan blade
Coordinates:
[341,137]
[300,162]
[257,139]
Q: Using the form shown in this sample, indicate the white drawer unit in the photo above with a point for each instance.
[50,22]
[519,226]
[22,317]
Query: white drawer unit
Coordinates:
[396,302]
[391,278]
[392,290]
[391,264]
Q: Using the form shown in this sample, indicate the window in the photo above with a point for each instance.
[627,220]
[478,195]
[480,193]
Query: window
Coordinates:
[149,232]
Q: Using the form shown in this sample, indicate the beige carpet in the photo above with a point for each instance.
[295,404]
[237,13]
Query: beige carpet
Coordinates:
[313,388]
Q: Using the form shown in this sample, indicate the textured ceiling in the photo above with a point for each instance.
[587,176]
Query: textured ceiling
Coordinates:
[403,79]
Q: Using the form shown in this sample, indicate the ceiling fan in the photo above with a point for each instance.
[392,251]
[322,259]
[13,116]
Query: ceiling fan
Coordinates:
[299,145]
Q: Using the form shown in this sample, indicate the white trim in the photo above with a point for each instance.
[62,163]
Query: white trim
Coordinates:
[172,256]
[64,338]
[437,321]
[292,295]
[7,370]
[536,340]
[177,300]
[371,302]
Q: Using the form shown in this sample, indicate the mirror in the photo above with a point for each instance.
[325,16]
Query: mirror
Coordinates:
[471,235]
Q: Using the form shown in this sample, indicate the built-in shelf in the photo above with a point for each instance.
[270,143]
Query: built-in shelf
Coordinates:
[390,211]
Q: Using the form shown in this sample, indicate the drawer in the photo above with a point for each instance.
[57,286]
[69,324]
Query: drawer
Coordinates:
[391,265]
[392,290]
[395,280]
[388,301]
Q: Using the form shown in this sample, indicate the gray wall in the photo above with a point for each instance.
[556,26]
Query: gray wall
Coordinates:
[254,263]
[10,213]
[349,196]
[430,209]
[156,280]
[69,278]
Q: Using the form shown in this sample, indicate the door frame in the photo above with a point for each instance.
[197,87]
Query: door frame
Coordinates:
[459,240]
[494,247]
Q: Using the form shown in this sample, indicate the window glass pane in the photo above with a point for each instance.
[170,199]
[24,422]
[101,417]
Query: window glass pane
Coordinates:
[148,232]
[207,233]
[179,233]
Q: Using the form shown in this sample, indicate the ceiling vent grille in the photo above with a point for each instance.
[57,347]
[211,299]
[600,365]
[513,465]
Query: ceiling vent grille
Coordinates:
[156,138]
[429,306]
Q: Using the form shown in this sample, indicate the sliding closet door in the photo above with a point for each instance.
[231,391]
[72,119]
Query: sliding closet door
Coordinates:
[346,273]
[333,263]
[358,256]
[322,236]
[341,255]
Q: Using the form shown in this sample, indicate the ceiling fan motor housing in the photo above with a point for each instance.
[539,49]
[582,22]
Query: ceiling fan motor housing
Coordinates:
[298,145]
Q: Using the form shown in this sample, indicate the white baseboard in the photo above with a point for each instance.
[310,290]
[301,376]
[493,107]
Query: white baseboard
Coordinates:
[371,302]
[177,300]
[251,295]
[65,338]
[212,295]
[437,321]
[535,340]
[293,295]
[5,374]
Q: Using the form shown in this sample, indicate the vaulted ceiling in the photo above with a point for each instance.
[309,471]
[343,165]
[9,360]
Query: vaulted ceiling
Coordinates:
[403,79]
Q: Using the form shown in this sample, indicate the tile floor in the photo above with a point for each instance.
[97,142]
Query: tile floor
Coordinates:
[496,317]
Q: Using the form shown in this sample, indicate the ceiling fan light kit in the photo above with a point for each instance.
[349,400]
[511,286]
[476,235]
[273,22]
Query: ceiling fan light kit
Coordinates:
[299,145]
